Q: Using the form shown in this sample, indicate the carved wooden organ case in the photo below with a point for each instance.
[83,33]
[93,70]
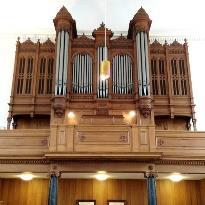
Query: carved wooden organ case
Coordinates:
[149,78]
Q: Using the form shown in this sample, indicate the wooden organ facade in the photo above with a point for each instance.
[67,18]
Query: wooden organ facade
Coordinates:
[143,74]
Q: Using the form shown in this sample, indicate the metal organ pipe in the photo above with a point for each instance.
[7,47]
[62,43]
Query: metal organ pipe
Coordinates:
[143,63]
[57,62]
[139,64]
[79,74]
[102,86]
[122,74]
[131,78]
[113,75]
[118,75]
[126,70]
[147,62]
[82,74]
[86,74]
[65,64]
[62,63]
[73,74]
[144,75]
[90,82]
[127,74]
[60,74]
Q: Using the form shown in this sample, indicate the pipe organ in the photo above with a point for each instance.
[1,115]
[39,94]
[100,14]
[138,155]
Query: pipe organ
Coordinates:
[102,85]
[122,82]
[65,75]
[143,63]
[82,74]
[61,62]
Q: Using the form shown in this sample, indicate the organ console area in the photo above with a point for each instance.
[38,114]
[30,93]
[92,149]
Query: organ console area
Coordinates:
[149,78]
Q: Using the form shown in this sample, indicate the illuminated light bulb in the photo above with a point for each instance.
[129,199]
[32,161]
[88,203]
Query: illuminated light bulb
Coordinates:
[105,70]
[132,113]
[101,176]
[176,177]
[26,176]
[71,115]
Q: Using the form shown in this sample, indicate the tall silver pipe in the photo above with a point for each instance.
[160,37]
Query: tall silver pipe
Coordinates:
[144,75]
[131,77]
[88,75]
[124,75]
[65,67]
[60,74]
[80,74]
[101,81]
[127,70]
[118,74]
[107,86]
[121,74]
[147,62]
[91,76]
[113,75]
[139,64]
[73,77]
[57,62]
[98,59]
[77,74]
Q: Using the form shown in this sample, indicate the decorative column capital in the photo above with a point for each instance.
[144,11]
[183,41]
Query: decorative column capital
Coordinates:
[151,173]
[54,173]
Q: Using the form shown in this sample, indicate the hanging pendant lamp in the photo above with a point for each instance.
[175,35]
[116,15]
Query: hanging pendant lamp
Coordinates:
[105,64]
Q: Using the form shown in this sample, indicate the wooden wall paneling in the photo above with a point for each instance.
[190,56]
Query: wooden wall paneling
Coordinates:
[202,191]
[133,191]
[181,193]
[66,191]
[18,192]
[35,192]
[100,192]
[138,190]
[0,189]
[114,189]
[84,189]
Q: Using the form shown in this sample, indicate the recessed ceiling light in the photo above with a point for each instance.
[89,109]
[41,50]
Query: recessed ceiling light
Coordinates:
[101,176]
[176,177]
[26,176]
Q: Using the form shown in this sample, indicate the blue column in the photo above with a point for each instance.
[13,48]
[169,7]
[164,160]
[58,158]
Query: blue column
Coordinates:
[151,187]
[53,190]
